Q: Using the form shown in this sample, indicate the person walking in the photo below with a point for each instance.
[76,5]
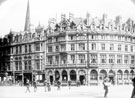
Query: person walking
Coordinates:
[48,86]
[58,85]
[27,86]
[69,84]
[35,85]
[106,84]
[133,92]
[45,84]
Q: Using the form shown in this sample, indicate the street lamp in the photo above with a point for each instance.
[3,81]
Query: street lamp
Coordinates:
[12,69]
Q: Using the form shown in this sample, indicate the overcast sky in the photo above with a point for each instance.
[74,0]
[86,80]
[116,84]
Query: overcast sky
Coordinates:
[12,12]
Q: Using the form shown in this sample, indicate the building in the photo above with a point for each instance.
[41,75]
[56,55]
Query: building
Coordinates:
[90,49]
[5,69]
[77,49]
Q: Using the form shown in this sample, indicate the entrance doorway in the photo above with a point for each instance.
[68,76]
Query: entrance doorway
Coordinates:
[82,79]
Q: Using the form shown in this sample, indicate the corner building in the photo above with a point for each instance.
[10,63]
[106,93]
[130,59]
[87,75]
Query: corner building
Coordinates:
[28,55]
[89,49]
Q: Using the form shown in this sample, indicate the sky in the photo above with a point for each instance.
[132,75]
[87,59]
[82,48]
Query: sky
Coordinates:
[13,12]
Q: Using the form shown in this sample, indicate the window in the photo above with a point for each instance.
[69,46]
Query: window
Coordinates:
[81,46]
[63,47]
[93,46]
[72,37]
[103,58]
[126,59]
[103,46]
[111,47]
[82,58]
[119,38]
[93,58]
[63,59]
[49,40]
[49,48]
[25,48]
[119,47]
[103,37]
[73,58]
[131,48]
[57,60]
[72,47]
[50,59]
[37,46]
[57,49]
[126,47]
[119,59]
[132,59]
[111,58]
[56,39]
[37,62]
[126,39]
[29,48]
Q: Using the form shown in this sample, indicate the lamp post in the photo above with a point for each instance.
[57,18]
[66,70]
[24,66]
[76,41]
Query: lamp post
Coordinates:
[12,69]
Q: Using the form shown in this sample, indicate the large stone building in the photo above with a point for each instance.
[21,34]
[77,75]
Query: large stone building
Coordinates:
[77,49]
[89,49]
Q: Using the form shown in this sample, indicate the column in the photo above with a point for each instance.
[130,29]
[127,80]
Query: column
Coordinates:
[68,74]
[77,75]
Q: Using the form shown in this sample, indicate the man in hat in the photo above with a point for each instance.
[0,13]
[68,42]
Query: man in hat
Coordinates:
[106,84]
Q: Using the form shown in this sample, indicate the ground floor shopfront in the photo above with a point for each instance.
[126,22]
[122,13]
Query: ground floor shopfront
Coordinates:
[90,76]
[21,77]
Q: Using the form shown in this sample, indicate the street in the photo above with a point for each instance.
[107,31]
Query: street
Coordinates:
[75,92]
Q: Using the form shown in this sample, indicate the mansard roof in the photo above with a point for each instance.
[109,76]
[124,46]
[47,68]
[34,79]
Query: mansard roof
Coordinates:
[97,24]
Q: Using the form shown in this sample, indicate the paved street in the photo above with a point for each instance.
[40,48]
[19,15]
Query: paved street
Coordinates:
[74,92]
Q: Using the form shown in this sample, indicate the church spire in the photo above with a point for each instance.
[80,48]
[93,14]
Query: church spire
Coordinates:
[27,19]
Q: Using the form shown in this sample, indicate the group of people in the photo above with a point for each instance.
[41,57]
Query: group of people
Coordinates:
[46,84]
[107,83]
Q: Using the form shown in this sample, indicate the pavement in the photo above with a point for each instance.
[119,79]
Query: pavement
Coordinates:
[121,91]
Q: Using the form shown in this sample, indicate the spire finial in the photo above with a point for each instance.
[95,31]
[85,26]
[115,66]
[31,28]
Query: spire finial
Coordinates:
[27,19]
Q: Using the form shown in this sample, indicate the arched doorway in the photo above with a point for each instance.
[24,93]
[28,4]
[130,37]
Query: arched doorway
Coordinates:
[73,75]
[50,74]
[82,78]
[131,74]
[57,75]
[111,76]
[94,77]
[103,73]
[119,76]
[64,75]
[126,75]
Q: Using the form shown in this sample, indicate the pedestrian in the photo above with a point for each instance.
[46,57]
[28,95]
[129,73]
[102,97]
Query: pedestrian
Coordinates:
[35,85]
[27,86]
[48,86]
[133,92]
[45,84]
[58,85]
[106,84]
[69,84]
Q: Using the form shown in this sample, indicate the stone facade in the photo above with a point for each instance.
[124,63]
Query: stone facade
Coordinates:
[89,49]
